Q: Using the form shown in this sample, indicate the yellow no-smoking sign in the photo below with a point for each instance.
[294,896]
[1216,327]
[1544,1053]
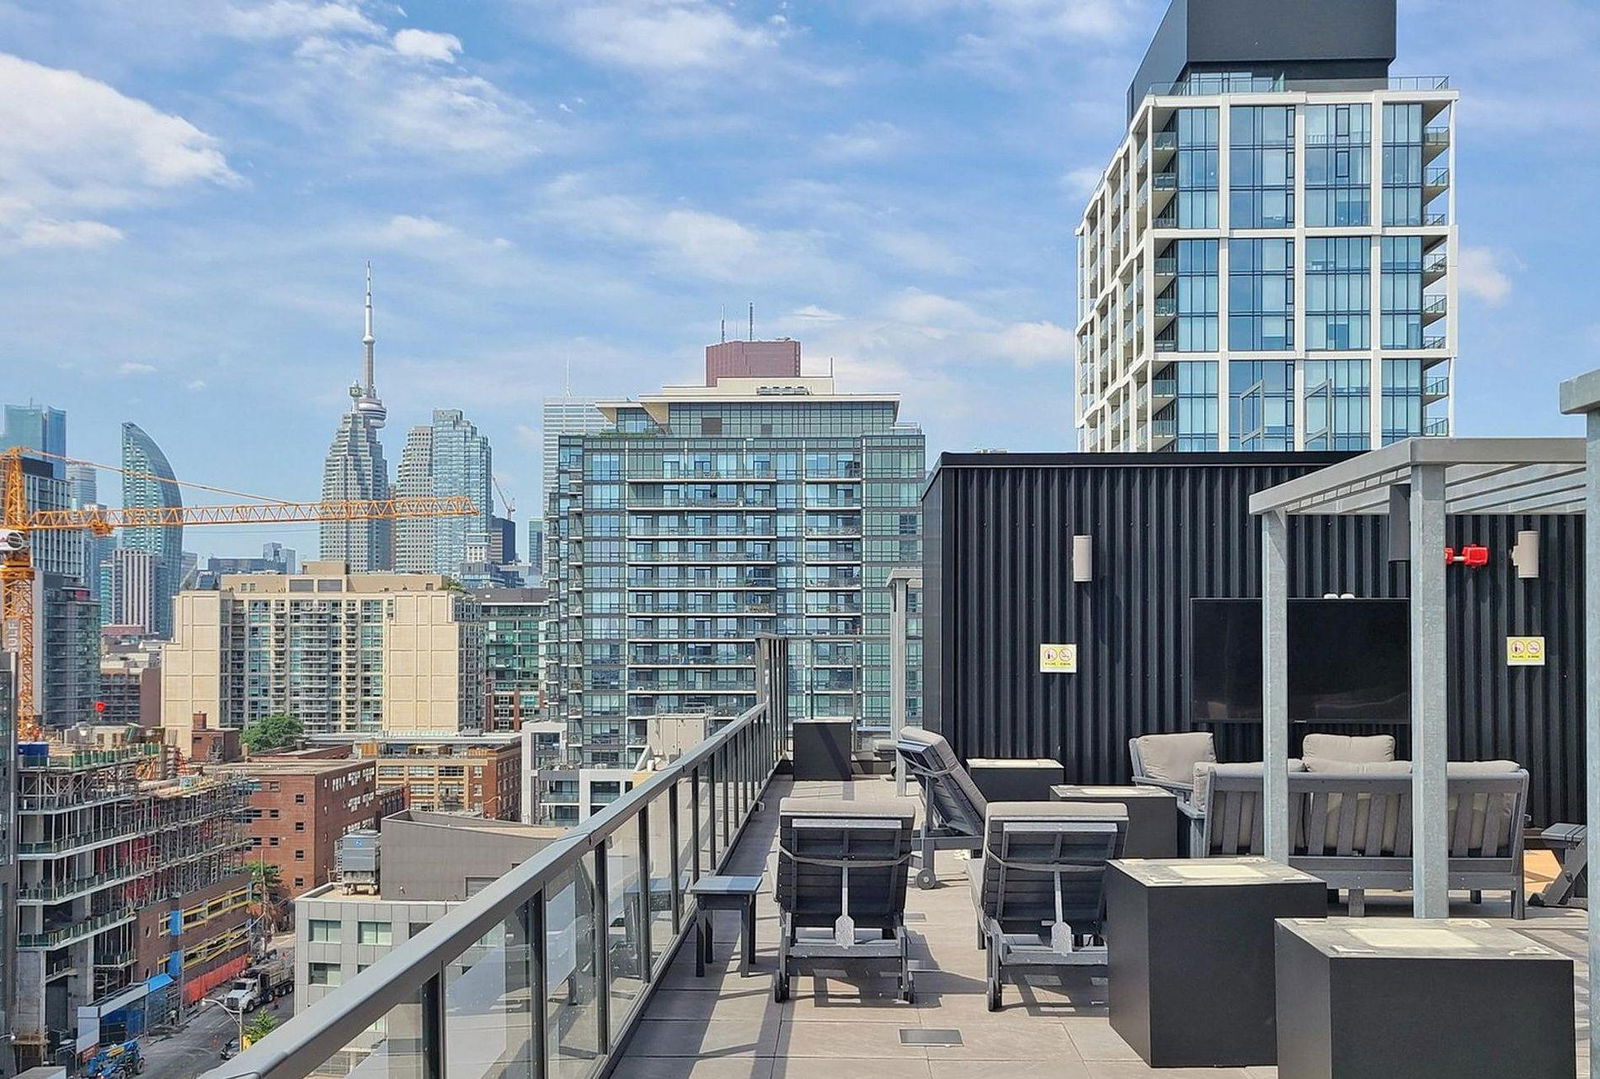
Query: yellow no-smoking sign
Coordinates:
[1525,651]
[1058,659]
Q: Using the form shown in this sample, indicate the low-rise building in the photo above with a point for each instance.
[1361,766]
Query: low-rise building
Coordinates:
[474,774]
[299,808]
[130,677]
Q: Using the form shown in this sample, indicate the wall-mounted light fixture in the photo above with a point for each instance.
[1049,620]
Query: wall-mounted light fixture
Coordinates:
[1525,555]
[1082,559]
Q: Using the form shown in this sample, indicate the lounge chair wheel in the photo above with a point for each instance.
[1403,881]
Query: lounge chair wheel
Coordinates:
[780,989]
[994,997]
[926,879]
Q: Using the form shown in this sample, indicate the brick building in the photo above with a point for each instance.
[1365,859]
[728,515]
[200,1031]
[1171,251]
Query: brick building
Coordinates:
[478,774]
[299,809]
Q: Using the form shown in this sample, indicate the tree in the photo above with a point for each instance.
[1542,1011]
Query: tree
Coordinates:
[266,884]
[262,1024]
[272,732]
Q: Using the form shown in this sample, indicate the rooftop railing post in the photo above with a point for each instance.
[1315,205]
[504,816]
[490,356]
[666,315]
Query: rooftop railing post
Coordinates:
[434,1034]
[1581,395]
[1275,682]
[711,810]
[1429,728]
[694,817]
[602,949]
[533,930]
[676,859]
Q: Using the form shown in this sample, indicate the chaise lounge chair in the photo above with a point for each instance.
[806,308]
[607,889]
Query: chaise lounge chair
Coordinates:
[952,805]
[1040,886]
[841,890]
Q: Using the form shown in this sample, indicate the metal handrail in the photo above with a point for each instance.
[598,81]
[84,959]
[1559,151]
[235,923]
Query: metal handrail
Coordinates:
[415,971]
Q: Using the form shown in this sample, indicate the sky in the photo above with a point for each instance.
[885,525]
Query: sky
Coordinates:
[561,193]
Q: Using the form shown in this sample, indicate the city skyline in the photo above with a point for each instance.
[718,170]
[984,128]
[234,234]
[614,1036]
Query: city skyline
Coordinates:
[957,294]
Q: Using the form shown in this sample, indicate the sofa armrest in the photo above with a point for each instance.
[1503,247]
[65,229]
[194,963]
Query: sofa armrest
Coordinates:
[1182,790]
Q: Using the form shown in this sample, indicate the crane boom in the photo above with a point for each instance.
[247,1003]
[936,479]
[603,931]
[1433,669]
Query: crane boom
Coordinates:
[102,521]
[18,522]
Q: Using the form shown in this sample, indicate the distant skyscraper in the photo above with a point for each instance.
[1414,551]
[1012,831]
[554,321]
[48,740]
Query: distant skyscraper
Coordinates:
[446,459]
[355,469]
[565,416]
[37,427]
[81,479]
[148,483]
[133,590]
[285,556]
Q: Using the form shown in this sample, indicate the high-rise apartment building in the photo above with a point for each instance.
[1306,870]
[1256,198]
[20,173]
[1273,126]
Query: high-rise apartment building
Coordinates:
[68,655]
[133,590]
[346,654]
[513,637]
[355,469]
[39,428]
[444,459]
[709,515]
[84,485]
[565,416]
[1268,262]
[148,484]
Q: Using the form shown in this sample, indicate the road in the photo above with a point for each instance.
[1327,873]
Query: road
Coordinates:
[196,1048]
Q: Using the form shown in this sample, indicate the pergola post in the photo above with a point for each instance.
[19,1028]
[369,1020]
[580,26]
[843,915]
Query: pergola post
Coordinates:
[1275,682]
[1582,395]
[1430,882]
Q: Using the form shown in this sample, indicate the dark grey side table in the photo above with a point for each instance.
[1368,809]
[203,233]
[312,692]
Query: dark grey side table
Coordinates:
[1427,998]
[1015,779]
[1191,955]
[822,749]
[1152,816]
[715,893]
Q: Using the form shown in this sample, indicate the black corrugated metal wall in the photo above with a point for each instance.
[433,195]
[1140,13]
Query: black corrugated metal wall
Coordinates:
[998,583]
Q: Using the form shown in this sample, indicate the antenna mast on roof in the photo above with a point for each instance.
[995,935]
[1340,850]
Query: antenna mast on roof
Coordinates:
[723,335]
[752,320]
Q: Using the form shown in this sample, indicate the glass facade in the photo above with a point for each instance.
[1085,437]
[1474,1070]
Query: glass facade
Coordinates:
[672,544]
[1305,258]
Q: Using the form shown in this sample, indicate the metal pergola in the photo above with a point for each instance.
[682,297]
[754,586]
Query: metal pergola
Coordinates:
[1422,481]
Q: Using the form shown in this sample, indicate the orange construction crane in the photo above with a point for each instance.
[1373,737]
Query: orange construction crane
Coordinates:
[18,522]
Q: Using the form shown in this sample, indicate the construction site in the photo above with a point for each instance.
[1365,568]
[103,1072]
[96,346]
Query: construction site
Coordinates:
[132,899]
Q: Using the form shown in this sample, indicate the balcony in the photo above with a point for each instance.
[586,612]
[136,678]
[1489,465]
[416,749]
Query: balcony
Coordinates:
[1439,428]
[1433,309]
[1435,178]
[1167,266]
[1166,306]
[1434,266]
[1436,389]
[1164,389]
[1164,181]
[1435,140]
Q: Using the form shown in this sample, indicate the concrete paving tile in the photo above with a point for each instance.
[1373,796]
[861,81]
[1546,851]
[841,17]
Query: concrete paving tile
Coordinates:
[703,1038]
[1096,1041]
[1043,1039]
[634,1067]
[831,1039]
[1116,1069]
[852,1068]
[1008,1069]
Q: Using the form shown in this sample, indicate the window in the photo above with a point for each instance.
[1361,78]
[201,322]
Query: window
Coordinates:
[374,933]
[1197,164]
[1338,293]
[1195,296]
[711,425]
[1400,291]
[299,855]
[300,799]
[299,825]
[1338,164]
[329,974]
[1260,295]
[272,841]
[1263,405]
[322,931]
[1402,164]
[272,814]
[1261,167]
[299,882]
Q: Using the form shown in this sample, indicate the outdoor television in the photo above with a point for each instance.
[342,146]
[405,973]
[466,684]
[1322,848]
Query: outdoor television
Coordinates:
[1349,661]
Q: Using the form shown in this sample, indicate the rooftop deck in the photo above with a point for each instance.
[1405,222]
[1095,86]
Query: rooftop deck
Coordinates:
[724,1026]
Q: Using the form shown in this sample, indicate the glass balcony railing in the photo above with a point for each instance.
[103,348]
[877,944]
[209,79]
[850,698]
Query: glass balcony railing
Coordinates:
[1165,140]
[1167,266]
[1164,387]
[1164,181]
[545,972]
[1436,176]
[1166,305]
[1436,428]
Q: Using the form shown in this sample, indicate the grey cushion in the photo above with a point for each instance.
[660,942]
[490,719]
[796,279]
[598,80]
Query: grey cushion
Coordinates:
[1078,829]
[1358,768]
[904,809]
[1468,769]
[1349,747]
[1172,757]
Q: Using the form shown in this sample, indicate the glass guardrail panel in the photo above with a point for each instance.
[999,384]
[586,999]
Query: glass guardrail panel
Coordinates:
[688,867]
[627,914]
[572,1011]
[391,1048]
[488,1004]
[659,878]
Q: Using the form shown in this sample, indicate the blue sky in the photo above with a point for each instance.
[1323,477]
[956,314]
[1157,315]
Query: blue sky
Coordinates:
[189,188]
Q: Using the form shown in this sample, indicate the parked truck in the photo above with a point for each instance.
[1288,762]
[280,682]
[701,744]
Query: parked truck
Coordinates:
[260,983]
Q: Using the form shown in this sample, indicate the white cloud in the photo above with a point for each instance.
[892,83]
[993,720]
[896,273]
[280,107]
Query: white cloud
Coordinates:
[427,45]
[930,310]
[70,145]
[813,313]
[920,252]
[129,367]
[666,36]
[404,228]
[865,141]
[1485,272]
[296,18]
[1081,181]
[685,239]
[1028,344]
[195,385]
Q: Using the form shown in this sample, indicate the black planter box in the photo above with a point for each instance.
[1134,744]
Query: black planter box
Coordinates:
[1191,943]
[1027,779]
[1370,998]
[822,749]
[1152,816]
